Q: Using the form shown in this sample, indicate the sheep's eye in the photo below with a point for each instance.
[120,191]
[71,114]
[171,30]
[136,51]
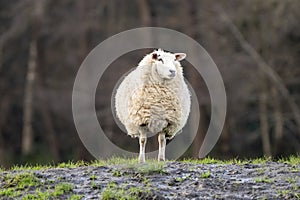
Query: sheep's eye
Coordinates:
[160,60]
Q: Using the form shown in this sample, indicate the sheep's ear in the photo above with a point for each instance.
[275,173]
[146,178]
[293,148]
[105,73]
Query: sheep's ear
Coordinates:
[154,56]
[180,56]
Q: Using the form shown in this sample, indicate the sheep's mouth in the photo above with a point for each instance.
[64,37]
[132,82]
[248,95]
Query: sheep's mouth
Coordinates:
[172,75]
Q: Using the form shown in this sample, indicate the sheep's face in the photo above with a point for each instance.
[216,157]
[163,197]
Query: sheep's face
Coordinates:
[166,63]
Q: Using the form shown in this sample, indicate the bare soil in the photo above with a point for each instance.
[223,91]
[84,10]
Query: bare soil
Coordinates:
[177,180]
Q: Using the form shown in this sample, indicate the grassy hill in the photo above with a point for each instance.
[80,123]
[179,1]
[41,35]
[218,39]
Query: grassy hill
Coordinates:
[120,178]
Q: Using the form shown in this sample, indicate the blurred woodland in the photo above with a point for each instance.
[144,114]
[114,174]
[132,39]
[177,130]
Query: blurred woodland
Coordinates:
[255,44]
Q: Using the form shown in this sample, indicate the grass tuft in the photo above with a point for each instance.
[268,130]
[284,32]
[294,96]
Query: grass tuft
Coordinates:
[62,188]
[21,181]
[263,180]
[72,164]
[113,191]
[133,162]
[292,160]
[206,174]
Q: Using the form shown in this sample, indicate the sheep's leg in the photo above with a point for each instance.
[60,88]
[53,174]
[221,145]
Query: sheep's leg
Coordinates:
[142,140]
[162,146]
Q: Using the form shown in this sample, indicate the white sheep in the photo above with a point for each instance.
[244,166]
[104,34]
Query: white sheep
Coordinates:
[154,99]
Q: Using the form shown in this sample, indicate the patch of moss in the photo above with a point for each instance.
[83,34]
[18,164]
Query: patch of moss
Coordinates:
[113,191]
[93,177]
[21,181]
[14,184]
[37,195]
[9,192]
[263,180]
[117,173]
[148,168]
[75,197]
[292,179]
[62,188]
[94,185]
[206,174]
[58,191]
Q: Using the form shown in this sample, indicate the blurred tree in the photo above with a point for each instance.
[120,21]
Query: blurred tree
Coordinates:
[49,39]
[36,22]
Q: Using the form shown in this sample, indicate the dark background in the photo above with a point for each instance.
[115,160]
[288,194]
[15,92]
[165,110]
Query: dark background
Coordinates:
[255,44]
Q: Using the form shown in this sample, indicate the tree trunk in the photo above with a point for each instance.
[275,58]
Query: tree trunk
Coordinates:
[146,20]
[263,115]
[81,151]
[225,139]
[4,107]
[44,109]
[111,6]
[191,29]
[278,119]
[144,12]
[27,134]
[50,132]
[1,57]
[264,67]
[203,125]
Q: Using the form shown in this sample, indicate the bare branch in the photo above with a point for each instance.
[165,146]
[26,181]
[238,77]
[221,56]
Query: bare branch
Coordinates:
[267,69]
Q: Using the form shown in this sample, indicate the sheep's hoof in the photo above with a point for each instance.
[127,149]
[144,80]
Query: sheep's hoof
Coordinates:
[141,159]
[161,159]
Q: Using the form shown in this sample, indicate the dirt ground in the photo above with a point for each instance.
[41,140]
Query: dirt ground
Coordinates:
[173,180]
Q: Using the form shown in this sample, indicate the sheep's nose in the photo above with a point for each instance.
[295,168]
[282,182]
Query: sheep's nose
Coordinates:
[172,71]
[172,75]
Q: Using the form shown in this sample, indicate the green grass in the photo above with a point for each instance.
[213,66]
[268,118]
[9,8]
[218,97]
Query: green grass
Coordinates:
[61,189]
[292,180]
[263,180]
[209,160]
[75,197]
[133,163]
[263,160]
[72,164]
[69,164]
[21,181]
[58,191]
[95,186]
[9,192]
[25,184]
[289,194]
[113,191]
[206,174]
[292,160]
[13,185]
[30,167]
[93,177]
[149,167]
